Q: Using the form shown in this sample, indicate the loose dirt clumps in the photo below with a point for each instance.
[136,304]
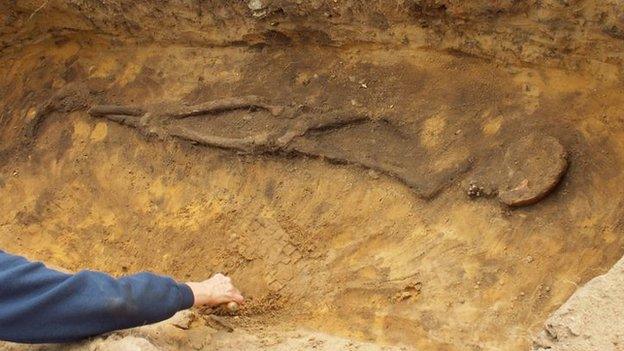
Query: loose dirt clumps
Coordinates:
[533,167]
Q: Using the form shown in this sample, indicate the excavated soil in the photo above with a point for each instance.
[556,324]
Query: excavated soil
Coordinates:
[431,175]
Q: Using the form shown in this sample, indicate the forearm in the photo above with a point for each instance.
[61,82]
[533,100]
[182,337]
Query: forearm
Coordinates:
[40,305]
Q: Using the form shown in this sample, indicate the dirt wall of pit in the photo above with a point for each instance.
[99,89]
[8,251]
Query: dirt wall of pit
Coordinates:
[347,163]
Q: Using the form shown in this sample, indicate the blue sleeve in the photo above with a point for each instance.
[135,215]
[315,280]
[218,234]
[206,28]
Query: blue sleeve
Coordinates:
[41,305]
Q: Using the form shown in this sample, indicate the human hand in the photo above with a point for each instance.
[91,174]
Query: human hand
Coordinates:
[215,291]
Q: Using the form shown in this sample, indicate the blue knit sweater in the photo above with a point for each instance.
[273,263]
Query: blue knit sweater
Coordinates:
[41,305]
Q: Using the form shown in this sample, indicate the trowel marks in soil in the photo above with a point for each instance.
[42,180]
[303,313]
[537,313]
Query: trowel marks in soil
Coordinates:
[532,166]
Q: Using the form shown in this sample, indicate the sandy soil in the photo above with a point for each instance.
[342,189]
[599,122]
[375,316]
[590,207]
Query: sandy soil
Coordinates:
[387,231]
[592,319]
[192,331]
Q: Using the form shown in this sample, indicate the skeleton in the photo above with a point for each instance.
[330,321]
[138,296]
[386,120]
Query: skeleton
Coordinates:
[164,123]
[298,128]
[339,136]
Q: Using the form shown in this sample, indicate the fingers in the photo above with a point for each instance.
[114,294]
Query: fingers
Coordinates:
[236,296]
[232,306]
[221,277]
[231,293]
